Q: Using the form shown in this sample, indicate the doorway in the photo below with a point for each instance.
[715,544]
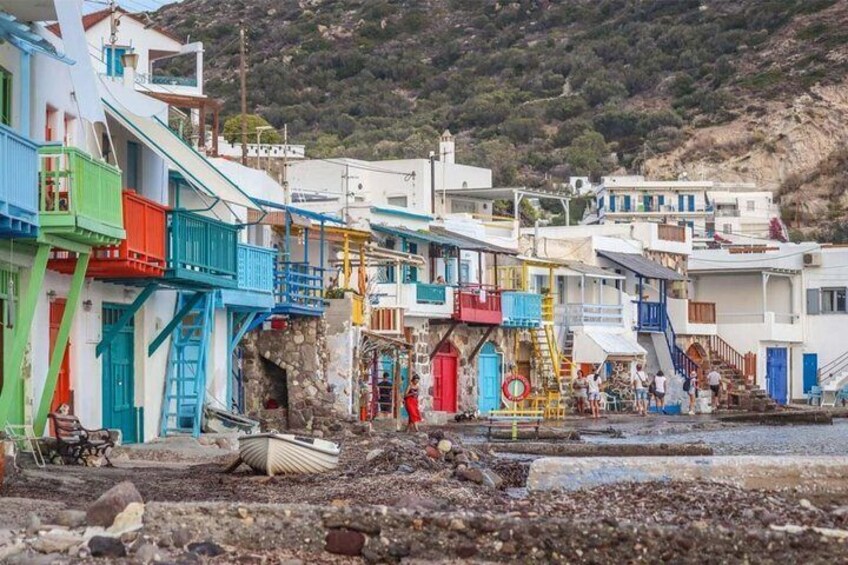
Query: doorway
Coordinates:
[445,379]
[776,365]
[811,370]
[62,393]
[119,375]
[488,379]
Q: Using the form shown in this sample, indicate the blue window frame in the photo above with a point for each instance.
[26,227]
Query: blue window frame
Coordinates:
[612,202]
[626,202]
[660,201]
[114,65]
[691,202]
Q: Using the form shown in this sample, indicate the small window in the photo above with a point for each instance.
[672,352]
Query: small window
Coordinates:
[399,201]
[5,97]
[833,300]
[462,207]
[727,228]
[114,64]
[751,205]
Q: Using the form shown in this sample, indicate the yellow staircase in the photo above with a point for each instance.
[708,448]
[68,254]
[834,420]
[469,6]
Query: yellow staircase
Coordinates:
[555,368]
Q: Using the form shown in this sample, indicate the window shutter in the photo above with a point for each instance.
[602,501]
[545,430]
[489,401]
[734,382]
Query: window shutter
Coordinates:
[813,301]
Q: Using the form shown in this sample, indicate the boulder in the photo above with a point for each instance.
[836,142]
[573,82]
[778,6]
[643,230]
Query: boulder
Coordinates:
[56,541]
[373,454]
[205,548]
[71,518]
[485,477]
[432,452]
[344,542]
[444,445]
[105,509]
[104,546]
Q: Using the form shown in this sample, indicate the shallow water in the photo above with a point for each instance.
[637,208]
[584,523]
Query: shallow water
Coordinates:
[755,440]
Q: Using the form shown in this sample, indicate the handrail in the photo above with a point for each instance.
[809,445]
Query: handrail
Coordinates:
[836,366]
[727,353]
[683,364]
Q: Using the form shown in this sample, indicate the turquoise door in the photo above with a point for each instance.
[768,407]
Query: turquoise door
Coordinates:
[811,369]
[387,365]
[118,376]
[489,379]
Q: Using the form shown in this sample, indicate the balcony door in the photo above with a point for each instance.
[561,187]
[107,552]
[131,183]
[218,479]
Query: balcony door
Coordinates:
[62,393]
[488,379]
[445,385]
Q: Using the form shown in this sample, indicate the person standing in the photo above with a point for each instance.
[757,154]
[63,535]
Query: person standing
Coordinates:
[640,391]
[410,402]
[660,382]
[594,387]
[580,385]
[690,387]
[715,381]
[384,391]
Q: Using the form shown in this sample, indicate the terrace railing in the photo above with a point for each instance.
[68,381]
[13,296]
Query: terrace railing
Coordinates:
[430,293]
[202,249]
[594,314]
[521,309]
[299,287]
[18,185]
[256,268]
[477,304]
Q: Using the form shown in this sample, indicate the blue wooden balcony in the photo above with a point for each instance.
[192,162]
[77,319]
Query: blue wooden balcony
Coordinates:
[521,309]
[299,289]
[202,251]
[430,293]
[651,317]
[255,290]
[18,185]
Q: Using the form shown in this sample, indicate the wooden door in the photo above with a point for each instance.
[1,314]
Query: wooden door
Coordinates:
[63,393]
[118,376]
[445,379]
[488,379]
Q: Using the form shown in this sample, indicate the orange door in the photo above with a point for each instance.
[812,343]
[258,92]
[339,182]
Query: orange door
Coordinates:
[62,394]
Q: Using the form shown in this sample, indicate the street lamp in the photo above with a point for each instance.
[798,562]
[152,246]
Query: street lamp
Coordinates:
[259,130]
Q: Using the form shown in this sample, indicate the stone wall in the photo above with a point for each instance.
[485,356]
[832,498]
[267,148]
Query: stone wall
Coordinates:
[298,354]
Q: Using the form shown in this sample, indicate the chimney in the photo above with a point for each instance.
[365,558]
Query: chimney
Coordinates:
[130,61]
[447,148]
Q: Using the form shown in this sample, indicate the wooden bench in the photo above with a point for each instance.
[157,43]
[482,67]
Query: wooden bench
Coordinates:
[74,442]
[515,420]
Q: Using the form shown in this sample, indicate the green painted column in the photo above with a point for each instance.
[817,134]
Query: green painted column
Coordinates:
[74,295]
[12,396]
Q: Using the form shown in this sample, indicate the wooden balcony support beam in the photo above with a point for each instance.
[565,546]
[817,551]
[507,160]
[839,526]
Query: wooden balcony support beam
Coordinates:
[480,343]
[126,316]
[444,339]
[172,325]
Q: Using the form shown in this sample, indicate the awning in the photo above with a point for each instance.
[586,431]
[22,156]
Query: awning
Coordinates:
[468,243]
[26,39]
[302,212]
[597,346]
[196,169]
[592,271]
[642,266]
[420,235]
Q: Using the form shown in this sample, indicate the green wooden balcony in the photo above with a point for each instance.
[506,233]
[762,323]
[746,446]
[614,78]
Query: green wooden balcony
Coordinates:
[202,251]
[80,197]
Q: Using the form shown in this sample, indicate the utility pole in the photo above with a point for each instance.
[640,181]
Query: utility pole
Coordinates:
[285,179]
[346,184]
[433,183]
[243,73]
[113,36]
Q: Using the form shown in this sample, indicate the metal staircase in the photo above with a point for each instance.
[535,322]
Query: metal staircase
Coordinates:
[185,381]
[552,363]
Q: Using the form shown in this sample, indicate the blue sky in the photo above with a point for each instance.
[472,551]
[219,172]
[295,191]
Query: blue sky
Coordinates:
[129,5]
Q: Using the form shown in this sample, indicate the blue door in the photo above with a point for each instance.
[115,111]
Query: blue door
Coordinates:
[660,201]
[119,376]
[811,369]
[626,202]
[691,202]
[612,202]
[681,203]
[488,379]
[776,374]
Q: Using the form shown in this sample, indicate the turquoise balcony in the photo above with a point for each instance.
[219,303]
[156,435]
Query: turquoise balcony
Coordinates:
[202,251]
[299,289]
[255,289]
[521,309]
[430,293]
[18,185]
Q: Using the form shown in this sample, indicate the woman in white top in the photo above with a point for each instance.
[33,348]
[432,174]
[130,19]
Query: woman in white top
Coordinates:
[659,390]
[595,393]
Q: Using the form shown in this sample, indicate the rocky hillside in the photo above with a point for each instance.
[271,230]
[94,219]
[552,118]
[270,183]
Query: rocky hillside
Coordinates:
[539,89]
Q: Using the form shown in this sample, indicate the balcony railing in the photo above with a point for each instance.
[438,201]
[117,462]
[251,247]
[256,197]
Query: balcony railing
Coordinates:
[202,250]
[256,268]
[80,197]
[702,312]
[163,80]
[594,314]
[387,320]
[668,232]
[18,185]
[141,255]
[521,309]
[299,289]
[430,293]
[477,305]
[651,317]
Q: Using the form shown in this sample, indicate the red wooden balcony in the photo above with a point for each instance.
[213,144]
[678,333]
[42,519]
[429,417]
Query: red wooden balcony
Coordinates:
[140,255]
[477,305]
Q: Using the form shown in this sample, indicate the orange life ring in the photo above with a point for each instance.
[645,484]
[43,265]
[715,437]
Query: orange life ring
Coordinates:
[507,392]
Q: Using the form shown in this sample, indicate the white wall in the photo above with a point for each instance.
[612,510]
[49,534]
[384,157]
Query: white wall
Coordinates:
[826,333]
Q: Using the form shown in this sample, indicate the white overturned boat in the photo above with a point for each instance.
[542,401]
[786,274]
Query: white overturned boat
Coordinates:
[275,454]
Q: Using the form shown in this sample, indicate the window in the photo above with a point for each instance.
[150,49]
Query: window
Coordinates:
[833,300]
[727,228]
[399,201]
[114,64]
[462,207]
[465,271]
[5,97]
[751,205]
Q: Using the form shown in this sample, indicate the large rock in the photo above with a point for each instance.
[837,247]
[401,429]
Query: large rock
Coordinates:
[480,476]
[345,542]
[56,541]
[71,518]
[104,546]
[111,503]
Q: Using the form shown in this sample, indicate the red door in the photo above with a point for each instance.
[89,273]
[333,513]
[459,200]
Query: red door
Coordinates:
[63,382]
[444,379]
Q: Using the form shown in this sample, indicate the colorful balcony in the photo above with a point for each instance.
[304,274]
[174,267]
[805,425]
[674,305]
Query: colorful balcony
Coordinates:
[521,309]
[255,289]
[80,197]
[592,314]
[651,317]
[18,185]
[418,300]
[478,305]
[140,255]
[299,289]
[202,251]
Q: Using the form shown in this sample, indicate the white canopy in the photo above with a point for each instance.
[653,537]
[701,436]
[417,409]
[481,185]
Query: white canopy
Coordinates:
[196,168]
[82,73]
[597,346]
